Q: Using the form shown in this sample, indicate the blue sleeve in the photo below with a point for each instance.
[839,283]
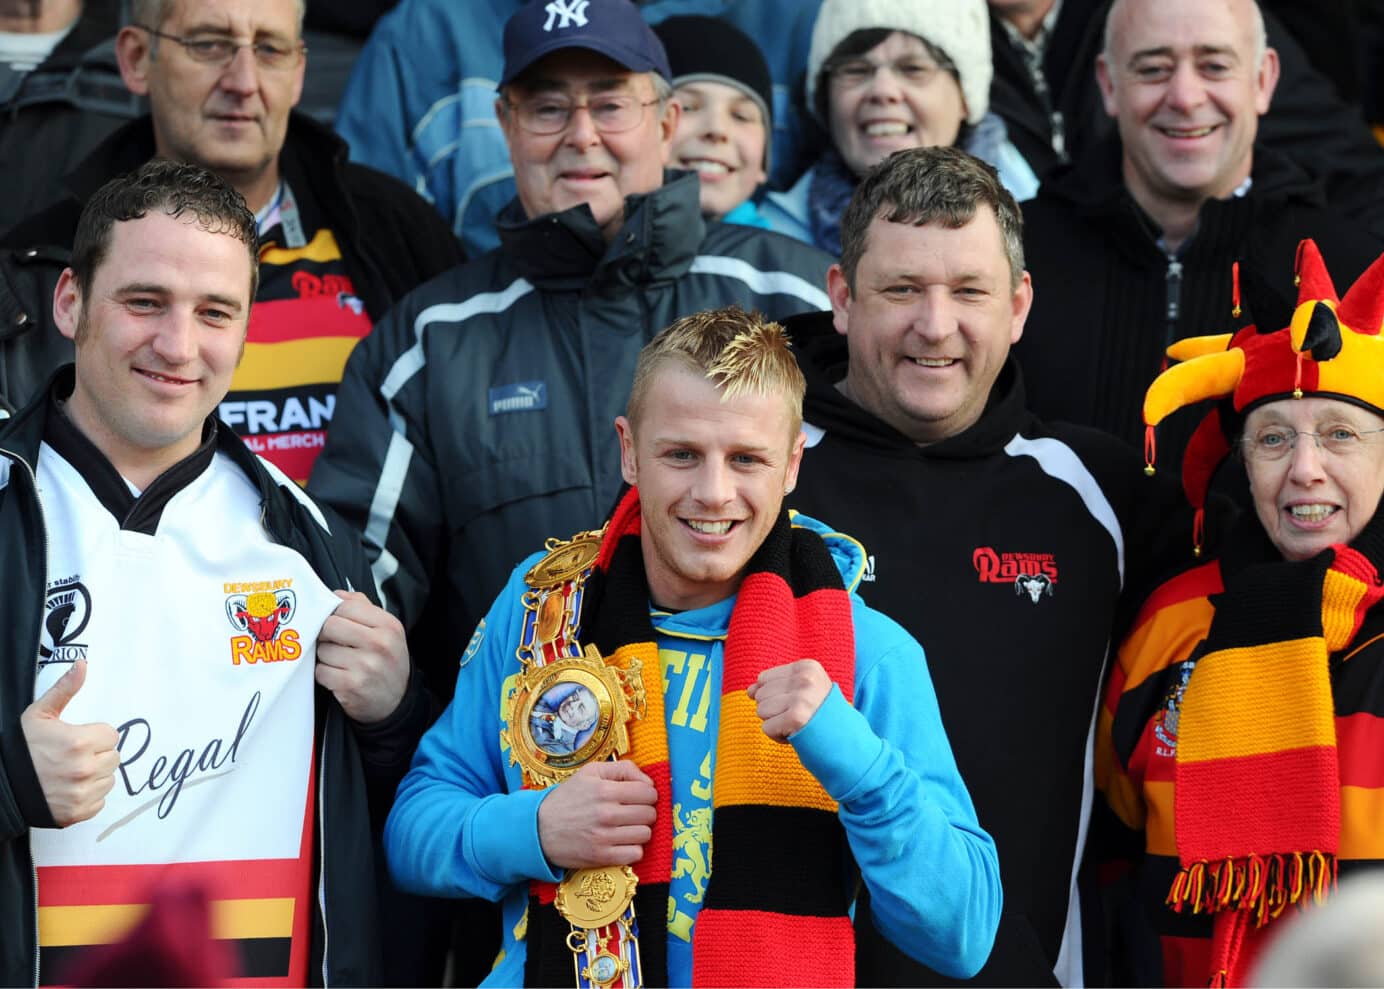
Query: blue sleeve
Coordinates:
[786,212]
[376,113]
[932,872]
[420,105]
[1016,173]
[456,829]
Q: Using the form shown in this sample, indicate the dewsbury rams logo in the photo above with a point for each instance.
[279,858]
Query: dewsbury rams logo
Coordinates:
[1031,574]
[265,615]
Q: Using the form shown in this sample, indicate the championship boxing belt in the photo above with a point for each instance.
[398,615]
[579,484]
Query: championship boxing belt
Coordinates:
[571,708]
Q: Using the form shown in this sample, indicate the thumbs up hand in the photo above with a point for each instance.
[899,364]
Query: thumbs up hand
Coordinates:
[75,764]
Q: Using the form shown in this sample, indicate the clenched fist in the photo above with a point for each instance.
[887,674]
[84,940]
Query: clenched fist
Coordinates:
[362,658]
[786,697]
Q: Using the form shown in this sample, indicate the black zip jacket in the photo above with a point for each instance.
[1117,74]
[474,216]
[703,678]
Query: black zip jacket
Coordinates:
[391,240]
[1107,299]
[1009,551]
[30,346]
[358,766]
[1065,84]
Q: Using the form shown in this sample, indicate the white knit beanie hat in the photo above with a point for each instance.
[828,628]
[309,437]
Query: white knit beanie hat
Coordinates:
[961,28]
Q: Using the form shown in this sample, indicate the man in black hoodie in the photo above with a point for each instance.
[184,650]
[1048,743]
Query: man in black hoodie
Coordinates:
[1003,545]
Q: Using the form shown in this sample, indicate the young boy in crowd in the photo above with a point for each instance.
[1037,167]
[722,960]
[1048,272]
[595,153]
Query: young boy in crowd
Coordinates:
[723,83]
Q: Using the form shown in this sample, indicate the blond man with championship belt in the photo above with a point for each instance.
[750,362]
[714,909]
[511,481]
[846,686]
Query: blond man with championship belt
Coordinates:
[717,685]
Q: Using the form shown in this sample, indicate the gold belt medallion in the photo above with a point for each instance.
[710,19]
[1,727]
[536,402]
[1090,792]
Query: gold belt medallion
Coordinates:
[566,714]
[594,898]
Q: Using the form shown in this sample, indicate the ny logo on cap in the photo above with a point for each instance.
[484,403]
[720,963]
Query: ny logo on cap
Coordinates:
[571,12]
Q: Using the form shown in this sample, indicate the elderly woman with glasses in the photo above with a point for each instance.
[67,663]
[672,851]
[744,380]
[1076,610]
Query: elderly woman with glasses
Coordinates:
[884,75]
[1243,728]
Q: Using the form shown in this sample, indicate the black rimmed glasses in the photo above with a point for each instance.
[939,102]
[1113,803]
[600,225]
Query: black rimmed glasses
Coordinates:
[220,51]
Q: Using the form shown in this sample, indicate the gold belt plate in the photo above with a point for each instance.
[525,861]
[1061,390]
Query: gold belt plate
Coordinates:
[596,897]
[566,714]
[565,561]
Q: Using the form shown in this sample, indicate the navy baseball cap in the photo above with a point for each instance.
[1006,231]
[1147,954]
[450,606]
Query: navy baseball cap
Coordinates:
[611,27]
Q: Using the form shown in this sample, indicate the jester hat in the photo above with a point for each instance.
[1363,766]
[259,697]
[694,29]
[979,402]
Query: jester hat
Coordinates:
[1331,347]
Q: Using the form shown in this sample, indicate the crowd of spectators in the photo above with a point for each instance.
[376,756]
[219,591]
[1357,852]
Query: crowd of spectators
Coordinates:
[472,217]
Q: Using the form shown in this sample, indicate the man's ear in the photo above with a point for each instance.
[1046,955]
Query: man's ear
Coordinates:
[505,115]
[795,461]
[668,128]
[839,292]
[302,72]
[1266,81]
[629,463]
[133,52]
[1019,305]
[1105,80]
[67,304]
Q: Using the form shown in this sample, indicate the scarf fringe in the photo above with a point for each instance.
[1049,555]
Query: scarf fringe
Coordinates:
[1261,885]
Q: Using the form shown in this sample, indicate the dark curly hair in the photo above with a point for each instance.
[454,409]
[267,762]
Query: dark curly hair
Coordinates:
[169,187]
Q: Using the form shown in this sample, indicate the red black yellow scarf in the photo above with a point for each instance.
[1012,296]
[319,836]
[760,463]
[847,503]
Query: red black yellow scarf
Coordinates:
[1257,807]
[775,907]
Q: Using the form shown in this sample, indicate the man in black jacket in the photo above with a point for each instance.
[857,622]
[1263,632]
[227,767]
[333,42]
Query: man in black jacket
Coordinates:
[1045,51]
[339,243]
[1133,247]
[1004,545]
[197,686]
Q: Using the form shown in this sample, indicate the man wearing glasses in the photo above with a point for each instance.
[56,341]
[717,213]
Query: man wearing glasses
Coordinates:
[339,243]
[478,413]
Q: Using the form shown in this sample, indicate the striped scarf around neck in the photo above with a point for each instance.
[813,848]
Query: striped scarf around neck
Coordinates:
[1257,808]
[776,905]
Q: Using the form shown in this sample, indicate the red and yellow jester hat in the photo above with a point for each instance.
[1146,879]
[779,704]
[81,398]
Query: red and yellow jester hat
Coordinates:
[1332,348]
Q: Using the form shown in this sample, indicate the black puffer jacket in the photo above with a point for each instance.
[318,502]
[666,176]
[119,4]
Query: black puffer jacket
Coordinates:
[30,346]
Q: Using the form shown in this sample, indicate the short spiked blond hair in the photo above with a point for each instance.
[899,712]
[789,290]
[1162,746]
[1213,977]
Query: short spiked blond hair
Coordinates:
[741,353]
